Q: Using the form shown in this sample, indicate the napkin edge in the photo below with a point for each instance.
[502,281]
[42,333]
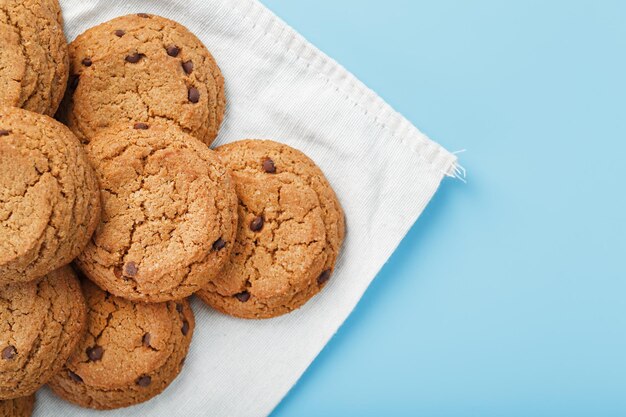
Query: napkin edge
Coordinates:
[259,17]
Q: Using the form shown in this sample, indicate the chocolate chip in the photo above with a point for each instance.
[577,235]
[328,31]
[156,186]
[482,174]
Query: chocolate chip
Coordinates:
[324,276]
[87,62]
[144,381]
[243,296]
[95,353]
[145,340]
[134,58]
[117,271]
[193,95]
[172,50]
[4,132]
[257,224]
[188,67]
[268,166]
[144,15]
[119,33]
[185,328]
[74,377]
[73,82]
[130,269]
[179,307]
[219,244]
[182,361]
[141,126]
[9,353]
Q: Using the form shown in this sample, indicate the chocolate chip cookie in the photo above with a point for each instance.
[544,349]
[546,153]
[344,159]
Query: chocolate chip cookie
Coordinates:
[129,354]
[143,68]
[169,213]
[17,407]
[40,324]
[291,228]
[34,60]
[49,198]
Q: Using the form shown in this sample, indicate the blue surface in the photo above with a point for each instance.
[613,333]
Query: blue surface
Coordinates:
[508,297]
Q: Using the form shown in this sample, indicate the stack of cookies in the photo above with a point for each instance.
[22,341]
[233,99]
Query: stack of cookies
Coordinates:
[111,219]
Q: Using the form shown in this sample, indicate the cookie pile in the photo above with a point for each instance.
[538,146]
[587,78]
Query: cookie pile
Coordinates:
[111,219]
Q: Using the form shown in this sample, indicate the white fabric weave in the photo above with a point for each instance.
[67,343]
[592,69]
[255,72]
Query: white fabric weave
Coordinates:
[383,169]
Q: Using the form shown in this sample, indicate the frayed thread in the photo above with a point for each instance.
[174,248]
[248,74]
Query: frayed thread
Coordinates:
[457,171]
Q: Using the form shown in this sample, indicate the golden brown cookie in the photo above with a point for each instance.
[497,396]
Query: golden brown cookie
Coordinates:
[291,228]
[49,200]
[129,354]
[143,68]
[34,61]
[169,213]
[17,407]
[40,324]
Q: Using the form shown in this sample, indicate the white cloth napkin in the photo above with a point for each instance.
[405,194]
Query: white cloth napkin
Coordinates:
[383,169]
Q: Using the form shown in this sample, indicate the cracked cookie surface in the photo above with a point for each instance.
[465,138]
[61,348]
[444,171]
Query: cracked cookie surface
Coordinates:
[130,352]
[40,324]
[291,228]
[169,213]
[34,60]
[49,200]
[17,407]
[143,68]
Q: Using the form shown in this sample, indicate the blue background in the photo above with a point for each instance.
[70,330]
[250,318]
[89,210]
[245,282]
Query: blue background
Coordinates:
[508,297]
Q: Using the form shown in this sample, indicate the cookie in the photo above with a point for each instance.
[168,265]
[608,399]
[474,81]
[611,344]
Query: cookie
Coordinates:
[291,228]
[143,68]
[169,213]
[40,324]
[34,62]
[17,407]
[49,199]
[129,354]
